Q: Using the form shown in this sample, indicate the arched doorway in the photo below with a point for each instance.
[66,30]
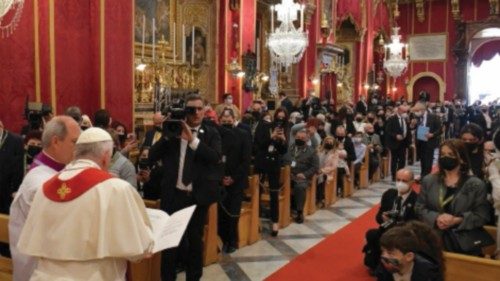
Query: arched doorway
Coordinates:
[484,66]
[429,82]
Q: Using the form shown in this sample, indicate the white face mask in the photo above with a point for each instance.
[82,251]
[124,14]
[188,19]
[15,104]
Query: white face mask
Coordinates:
[418,113]
[404,115]
[356,139]
[402,187]
[229,101]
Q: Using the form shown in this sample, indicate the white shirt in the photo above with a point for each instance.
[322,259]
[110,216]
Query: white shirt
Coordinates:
[487,118]
[23,266]
[193,145]
[402,123]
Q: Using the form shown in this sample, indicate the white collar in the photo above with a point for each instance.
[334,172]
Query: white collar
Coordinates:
[81,164]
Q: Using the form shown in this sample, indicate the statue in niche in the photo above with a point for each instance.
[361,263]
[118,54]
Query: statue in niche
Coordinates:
[200,48]
[250,68]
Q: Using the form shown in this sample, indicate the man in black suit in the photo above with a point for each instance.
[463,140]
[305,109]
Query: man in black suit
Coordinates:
[426,144]
[153,135]
[11,166]
[340,135]
[285,102]
[362,106]
[397,206]
[236,151]
[192,175]
[398,138]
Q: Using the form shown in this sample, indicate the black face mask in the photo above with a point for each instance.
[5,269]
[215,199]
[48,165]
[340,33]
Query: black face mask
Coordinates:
[299,142]
[359,119]
[370,133]
[158,129]
[256,115]
[33,150]
[341,139]
[448,163]
[227,126]
[84,128]
[471,146]
[328,146]
[371,119]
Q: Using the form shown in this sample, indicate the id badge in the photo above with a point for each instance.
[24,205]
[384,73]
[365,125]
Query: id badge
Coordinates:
[271,148]
[223,158]
[293,164]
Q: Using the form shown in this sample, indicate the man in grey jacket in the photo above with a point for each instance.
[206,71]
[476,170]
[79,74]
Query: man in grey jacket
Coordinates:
[304,163]
[374,145]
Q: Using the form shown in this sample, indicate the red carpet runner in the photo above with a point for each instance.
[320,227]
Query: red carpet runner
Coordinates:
[338,257]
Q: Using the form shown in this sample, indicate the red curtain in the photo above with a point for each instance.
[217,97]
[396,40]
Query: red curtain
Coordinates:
[346,8]
[427,84]
[486,52]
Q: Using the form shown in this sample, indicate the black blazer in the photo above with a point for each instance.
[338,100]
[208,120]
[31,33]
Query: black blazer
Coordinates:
[207,166]
[361,107]
[11,169]
[387,202]
[236,153]
[288,105]
[265,160]
[349,148]
[392,129]
[148,138]
[349,126]
[435,127]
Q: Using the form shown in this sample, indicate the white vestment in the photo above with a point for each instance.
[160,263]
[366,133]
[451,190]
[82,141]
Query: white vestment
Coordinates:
[90,237]
[23,266]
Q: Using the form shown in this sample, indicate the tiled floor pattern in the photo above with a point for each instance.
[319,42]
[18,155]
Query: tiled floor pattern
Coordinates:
[257,261]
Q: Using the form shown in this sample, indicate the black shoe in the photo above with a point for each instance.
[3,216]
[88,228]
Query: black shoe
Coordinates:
[299,218]
[274,233]
[230,249]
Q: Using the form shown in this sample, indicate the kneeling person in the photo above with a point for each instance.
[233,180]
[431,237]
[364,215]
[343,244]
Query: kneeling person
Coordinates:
[84,224]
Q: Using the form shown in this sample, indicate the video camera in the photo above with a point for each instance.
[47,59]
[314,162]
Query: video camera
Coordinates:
[34,113]
[394,218]
[176,112]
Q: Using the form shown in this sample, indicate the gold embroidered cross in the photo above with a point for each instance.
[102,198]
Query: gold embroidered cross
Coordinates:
[63,190]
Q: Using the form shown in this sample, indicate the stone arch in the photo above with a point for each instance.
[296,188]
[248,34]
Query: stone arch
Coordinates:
[440,81]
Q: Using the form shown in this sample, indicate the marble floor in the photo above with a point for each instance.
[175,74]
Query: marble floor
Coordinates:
[257,261]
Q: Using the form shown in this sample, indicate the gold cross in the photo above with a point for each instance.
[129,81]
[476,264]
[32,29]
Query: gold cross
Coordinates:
[63,190]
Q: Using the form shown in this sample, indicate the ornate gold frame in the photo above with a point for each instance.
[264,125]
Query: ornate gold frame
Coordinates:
[442,84]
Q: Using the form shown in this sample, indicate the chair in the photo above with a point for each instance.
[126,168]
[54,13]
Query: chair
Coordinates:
[310,204]
[5,263]
[331,190]
[364,176]
[284,197]
[248,224]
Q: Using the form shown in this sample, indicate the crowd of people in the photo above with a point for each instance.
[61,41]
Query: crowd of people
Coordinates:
[208,156]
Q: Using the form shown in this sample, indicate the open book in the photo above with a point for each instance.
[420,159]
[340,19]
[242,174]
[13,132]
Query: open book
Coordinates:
[168,230]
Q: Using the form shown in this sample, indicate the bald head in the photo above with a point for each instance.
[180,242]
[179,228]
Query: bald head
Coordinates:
[369,128]
[157,119]
[59,138]
[405,175]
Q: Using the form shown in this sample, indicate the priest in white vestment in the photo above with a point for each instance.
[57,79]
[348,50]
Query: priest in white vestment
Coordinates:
[84,224]
[58,144]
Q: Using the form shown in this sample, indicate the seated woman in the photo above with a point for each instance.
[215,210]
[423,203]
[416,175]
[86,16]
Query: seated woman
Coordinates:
[328,159]
[452,199]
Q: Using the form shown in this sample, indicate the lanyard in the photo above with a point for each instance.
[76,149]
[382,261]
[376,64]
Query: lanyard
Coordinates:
[442,201]
[3,137]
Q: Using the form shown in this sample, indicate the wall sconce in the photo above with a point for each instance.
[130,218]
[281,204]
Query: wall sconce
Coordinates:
[315,80]
[339,84]
[366,86]
[235,69]
[324,27]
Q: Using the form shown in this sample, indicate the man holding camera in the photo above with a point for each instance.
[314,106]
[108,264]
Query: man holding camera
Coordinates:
[397,206]
[191,161]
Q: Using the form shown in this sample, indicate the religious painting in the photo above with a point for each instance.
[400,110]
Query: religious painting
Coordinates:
[428,47]
[328,9]
[147,11]
[199,42]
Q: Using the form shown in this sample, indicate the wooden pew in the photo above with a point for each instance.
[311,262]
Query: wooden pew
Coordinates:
[364,176]
[310,204]
[384,165]
[331,190]
[248,225]
[5,263]
[464,268]
[349,182]
[210,240]
[377,175]
[284,197]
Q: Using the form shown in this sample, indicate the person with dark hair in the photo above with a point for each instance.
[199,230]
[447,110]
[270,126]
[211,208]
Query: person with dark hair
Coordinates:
[270,145]
[149,176]
[451,200]
[192,175]
[473,136]
[362,106]
[236,151]
[102,119]
[398,138]
[494,178]
[32,146]
[285,102]
[402,257]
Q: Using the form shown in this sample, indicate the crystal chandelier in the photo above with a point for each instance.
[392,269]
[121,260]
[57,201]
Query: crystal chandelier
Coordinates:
[394,62]
[13,7]
[287,43]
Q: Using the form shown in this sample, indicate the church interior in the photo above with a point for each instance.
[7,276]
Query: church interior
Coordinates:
[138,58]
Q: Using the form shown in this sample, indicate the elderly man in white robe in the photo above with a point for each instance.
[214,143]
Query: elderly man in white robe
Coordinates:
[58,144]
[84,224]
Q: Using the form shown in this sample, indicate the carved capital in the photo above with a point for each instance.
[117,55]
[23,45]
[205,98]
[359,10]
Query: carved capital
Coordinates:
[309,12]
[420,10]
[455,9]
